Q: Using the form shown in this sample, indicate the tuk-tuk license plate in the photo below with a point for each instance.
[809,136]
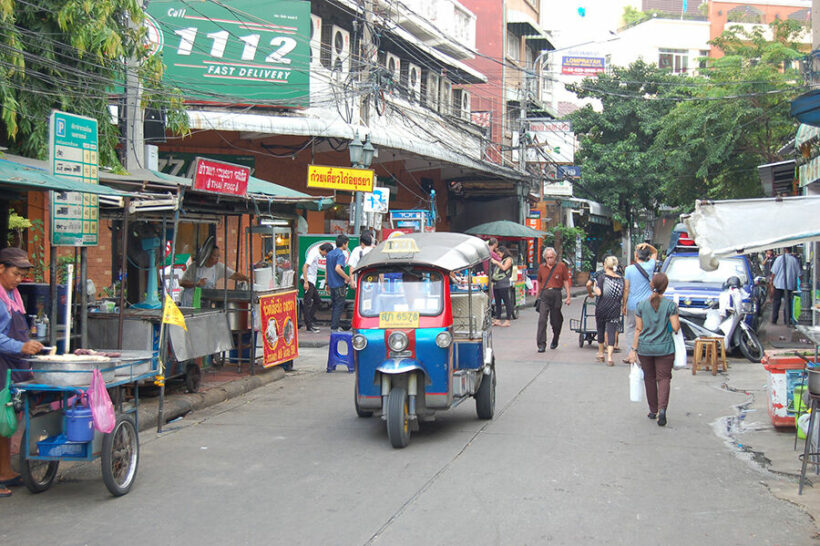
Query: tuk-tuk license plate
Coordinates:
[399,319]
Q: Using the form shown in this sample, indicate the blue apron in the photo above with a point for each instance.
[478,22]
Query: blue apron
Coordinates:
[18,330]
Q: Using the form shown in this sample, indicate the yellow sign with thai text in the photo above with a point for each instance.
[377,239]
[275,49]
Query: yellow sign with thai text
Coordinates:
[399,319]
[340,178]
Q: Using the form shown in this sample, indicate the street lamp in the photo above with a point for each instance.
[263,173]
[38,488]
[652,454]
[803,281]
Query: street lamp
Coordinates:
[361,155]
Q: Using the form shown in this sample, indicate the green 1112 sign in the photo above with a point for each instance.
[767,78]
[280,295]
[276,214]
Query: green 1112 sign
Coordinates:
[224,53]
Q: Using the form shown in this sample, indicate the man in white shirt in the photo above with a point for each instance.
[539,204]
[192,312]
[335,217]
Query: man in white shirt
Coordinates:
[206,276]
[365,246]
[310,271]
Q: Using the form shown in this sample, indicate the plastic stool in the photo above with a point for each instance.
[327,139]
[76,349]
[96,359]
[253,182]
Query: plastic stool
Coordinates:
[334,357]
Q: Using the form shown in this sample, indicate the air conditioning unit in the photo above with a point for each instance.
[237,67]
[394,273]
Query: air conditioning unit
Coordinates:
[315,40]
[461,104]
[413,82]
[432,86]
[339,51]
[445,97]
[393,65]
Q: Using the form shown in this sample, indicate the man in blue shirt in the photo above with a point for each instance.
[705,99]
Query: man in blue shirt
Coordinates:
[337,280]
[785,272]
[636,284]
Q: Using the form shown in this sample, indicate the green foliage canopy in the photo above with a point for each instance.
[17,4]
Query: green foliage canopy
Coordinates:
[70,55]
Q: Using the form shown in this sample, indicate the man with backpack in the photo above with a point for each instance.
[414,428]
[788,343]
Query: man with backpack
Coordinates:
[636,285]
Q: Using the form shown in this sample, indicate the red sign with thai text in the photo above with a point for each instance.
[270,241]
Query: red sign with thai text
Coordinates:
[279,331]
[218,177]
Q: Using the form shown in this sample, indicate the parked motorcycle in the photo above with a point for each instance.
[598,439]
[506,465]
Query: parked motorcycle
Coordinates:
[725,319]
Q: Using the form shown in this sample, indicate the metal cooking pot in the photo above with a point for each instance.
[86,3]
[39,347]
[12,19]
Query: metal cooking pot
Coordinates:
[238,315]
[814,381]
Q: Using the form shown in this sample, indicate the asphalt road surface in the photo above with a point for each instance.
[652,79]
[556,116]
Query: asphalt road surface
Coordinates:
[567,460]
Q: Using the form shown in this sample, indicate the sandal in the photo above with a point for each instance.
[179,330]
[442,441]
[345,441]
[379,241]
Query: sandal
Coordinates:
[599,358]
[16,481]
[610,362]
[5,493]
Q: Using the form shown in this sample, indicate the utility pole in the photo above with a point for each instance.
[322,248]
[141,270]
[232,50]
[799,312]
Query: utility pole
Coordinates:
[365,57]
[134,139]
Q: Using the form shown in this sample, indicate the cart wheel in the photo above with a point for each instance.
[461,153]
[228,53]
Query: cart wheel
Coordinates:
[193,377]
[359,411]
[398,425]
[485,397]
[37,475]
[120,457]
[581,340]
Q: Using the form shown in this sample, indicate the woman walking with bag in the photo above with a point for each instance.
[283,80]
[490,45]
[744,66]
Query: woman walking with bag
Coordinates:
[502,270]
[656,319]
[610,289]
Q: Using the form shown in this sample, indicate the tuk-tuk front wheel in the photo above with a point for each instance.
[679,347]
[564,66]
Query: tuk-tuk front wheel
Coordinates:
[398,422]
[485,397]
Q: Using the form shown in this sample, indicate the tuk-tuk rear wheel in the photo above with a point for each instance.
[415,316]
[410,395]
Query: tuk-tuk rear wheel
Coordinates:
[398,424]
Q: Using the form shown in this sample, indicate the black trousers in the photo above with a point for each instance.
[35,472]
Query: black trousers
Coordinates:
[310,303]
[787,310]
[550,310]
[607,327]
[503,295]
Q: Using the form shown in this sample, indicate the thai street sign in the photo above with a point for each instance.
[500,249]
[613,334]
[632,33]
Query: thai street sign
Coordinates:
[216,177]
[73,154]
[378,201]
[279,329]
[238,52]
[340,178]
[184,163]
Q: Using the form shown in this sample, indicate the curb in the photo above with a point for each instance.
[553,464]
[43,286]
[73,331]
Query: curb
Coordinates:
[178,405]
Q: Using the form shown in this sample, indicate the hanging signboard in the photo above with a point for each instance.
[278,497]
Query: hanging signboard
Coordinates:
[378,201]
[239,52]
[280,337]
[73,154]
[340,178]
[184,164]
[216,177]
[579,65]
[553,141]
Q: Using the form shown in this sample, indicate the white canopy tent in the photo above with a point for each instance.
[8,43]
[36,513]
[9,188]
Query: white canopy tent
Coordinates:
[726,228]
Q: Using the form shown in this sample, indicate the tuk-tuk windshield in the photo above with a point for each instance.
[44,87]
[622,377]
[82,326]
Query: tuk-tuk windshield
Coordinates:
[405,290]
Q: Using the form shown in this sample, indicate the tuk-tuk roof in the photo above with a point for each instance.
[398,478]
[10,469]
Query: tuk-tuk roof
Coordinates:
[450,251]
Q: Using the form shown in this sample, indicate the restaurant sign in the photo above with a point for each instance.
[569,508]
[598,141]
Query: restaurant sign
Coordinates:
[279,328]
[239,52]
[216,177]
[340,178]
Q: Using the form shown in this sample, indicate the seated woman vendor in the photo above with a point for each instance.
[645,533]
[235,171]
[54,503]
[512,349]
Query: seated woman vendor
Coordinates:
[206,276]
[14,344]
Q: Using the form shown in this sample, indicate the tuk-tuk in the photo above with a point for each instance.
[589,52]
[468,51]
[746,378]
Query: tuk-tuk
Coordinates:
[422,334]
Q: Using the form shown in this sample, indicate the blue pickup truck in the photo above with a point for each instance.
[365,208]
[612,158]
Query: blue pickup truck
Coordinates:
[696,290]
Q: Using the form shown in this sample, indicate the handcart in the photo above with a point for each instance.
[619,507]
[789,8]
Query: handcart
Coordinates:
[56,385]
[585,326]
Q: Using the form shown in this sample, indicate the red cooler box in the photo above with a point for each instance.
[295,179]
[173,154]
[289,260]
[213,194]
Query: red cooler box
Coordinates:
[785,373]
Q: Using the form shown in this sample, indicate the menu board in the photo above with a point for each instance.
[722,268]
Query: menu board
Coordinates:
[279,330]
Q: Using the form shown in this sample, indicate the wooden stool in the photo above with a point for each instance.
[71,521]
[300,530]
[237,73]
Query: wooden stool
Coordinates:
[706,353]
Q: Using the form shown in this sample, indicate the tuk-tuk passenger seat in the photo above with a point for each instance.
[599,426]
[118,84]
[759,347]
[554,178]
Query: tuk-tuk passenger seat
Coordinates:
[461,312]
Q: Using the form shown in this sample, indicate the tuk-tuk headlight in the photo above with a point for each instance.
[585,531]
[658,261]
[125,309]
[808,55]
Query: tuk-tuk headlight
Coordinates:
[359,342]
[397,341]
[444,339]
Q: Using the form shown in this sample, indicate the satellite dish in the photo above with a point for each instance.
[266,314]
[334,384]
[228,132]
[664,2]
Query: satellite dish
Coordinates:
[205,251]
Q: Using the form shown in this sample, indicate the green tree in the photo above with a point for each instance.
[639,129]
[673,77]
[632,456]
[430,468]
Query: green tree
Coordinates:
[616,163]
[736,118]
[69,55]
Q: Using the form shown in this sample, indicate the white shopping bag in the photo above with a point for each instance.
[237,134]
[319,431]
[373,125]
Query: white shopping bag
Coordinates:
[680,351]
[635,383]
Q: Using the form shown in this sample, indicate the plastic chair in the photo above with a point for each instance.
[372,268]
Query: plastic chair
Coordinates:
[334,357]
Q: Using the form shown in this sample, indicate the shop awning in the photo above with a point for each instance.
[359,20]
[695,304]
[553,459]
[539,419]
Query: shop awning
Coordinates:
[282,195]
[777,178]
[17,176]
[726,228]
[806,133]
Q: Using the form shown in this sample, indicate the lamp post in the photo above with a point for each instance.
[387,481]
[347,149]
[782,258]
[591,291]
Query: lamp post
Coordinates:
[361,155]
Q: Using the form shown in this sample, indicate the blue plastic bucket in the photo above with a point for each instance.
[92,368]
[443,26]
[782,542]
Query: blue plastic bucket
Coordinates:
[78,424]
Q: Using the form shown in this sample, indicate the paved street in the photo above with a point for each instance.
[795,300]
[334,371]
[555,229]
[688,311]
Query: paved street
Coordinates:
[567,460]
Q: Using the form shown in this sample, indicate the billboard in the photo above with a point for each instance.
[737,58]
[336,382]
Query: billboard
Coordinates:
[242,52]
[552,141]
[581,65]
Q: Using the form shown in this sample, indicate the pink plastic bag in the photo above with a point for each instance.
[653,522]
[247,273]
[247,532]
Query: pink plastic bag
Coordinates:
[102,410]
